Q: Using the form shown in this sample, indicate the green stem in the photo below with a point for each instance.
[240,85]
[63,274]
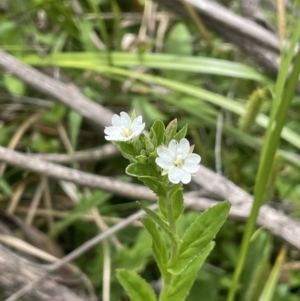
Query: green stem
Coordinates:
[174,246]
[172,224]
[164,292]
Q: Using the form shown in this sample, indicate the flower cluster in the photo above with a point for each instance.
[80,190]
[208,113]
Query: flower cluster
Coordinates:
[176,160]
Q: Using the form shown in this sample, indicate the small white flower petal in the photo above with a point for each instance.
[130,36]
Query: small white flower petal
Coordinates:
[137,128]
[185,177]
[164,163]
[183,147]
[116,138]
[164,152]
[192,159]
[139,119]
[173,146]
[116,120]
[190,167]
[126,120]
[175,175]
[112,130]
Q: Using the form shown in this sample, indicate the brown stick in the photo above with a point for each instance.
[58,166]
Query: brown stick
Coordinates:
[16,273]
[67,94]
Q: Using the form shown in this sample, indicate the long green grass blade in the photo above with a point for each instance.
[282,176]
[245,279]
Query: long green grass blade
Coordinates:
[153,60]
[277,119]
[270,287]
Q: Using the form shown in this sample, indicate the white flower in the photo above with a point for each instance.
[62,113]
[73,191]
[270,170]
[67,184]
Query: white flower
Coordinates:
[177,161]
[123,128]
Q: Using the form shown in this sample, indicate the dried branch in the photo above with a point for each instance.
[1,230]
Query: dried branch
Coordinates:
[17,272]
[96,154]
[67,94]
[79,251]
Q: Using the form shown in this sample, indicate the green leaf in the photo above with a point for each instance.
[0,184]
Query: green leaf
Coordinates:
[181,284]
[160,222]
[141,170]
[137,146]
[127,150]
[270,287]
[75,120]
[162,205]
[86,28]
[157,133]
[136,287]
[159,248]
[258,280]
[141,158]
[176,197]
[259,250]
[14,85]
[148,145]
[178,42]
[135,257]
[181,133]
[170,131]
[151,182]
[177,202]
[201,232]
[4,186]
[55,114]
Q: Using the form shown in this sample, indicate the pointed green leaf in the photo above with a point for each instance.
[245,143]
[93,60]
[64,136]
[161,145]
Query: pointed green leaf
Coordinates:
[141,158]
[141,169]
[159,248]
[4,186]
[201,232]
[151,182]
[135,257]
[160,222]
[181,133]
[127,150]
[137,145]
[258,280]
[181,284]
[157,132]
[14,85]
[260,249]
[170,131]
[177,202]
[162,205]
[75,120]
[155,217]
[270,287]
[135,286]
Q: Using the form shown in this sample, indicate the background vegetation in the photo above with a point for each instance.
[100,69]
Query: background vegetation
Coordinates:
[128,55]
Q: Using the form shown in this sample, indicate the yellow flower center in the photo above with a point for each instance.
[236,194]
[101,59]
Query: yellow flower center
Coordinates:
[126,131]
[178,162]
